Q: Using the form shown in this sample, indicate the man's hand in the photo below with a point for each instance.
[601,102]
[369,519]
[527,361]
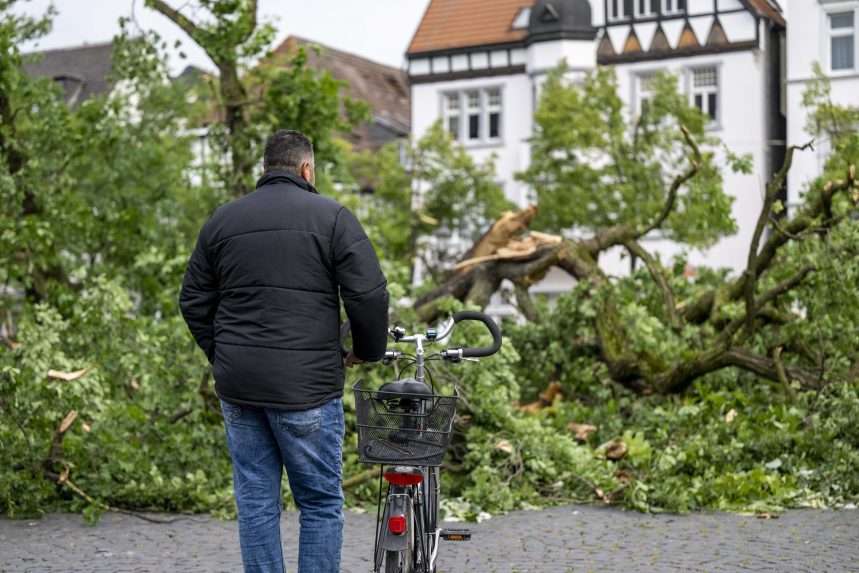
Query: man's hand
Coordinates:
[352,360]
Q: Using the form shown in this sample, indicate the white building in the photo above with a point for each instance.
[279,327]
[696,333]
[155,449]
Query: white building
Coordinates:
[821,31]
[478,65]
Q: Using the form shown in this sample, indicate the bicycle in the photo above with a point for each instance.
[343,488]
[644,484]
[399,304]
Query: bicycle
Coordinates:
[406,426]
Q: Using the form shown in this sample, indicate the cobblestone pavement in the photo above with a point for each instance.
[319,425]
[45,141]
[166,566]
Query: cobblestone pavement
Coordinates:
[561,539]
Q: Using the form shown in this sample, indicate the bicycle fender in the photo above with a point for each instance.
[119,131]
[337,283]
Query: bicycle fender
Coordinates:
[397,504]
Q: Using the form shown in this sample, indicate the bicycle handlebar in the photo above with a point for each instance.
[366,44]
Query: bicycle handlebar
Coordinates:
[490,325]
[461,316]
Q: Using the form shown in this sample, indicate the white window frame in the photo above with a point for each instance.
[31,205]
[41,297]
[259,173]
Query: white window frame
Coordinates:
[490,108]
[714,123]
[640,91]
[828,33]
[483,111]
[672,7]
[470,110]
[447,113]
[616,11]
[649,8]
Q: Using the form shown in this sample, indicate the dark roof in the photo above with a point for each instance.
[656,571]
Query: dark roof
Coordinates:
[383,87]
[82,71]
[555,19]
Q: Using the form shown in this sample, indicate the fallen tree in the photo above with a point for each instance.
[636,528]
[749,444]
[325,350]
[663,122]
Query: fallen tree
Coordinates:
[616,186]
[503,255]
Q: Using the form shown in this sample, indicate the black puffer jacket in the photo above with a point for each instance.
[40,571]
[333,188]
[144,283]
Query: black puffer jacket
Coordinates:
[260,294]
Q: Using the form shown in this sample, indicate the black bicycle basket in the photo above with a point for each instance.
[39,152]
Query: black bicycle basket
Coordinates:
[403,428]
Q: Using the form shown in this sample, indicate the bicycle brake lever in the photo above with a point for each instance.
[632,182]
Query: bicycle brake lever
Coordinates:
[472,359]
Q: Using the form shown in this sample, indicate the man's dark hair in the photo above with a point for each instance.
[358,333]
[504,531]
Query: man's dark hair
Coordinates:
[288,150]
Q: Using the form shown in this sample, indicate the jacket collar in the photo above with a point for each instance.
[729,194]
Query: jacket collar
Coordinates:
[276,176]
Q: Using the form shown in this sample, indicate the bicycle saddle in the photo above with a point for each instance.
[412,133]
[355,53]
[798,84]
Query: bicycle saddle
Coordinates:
[408,386]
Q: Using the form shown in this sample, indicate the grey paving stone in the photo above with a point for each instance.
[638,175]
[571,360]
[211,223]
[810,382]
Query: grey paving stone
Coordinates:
[557,540]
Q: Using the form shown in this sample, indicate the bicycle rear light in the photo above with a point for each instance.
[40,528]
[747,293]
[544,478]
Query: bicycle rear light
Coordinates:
[404,479]
[397,524]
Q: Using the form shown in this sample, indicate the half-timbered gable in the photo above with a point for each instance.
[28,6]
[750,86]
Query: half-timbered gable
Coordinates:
[638,30]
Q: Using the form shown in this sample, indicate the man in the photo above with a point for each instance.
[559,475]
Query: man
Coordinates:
[260,296]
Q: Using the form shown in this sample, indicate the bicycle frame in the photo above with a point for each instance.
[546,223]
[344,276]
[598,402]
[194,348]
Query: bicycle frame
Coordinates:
[408,528]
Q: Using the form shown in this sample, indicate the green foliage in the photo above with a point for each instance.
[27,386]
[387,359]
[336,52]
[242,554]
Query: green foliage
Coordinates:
[593,167]
[734,441]
[307,99]
[124,447]
[429,199]
[834,124]
[462,195]
[99,209]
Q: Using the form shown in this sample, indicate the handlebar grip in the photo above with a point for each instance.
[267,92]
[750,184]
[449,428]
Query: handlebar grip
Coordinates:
[344,332]
[490,325]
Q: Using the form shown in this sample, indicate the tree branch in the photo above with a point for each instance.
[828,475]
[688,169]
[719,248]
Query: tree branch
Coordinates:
[188,26]
[734,326]
[499,234]
[525,303]
[766,367]
[57,442]
[659,277]
[782,375]
[706,303]
[676,184]
[751,274]
[179,414]
[252,24]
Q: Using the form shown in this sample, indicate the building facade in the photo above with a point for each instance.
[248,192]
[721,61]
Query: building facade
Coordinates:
[478,67]
[822,31]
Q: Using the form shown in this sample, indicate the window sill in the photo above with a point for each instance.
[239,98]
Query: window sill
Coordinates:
[843,73]
[482,144]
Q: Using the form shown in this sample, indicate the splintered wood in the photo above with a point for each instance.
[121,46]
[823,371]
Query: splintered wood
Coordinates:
[500,242]
[69,376]
[546,398]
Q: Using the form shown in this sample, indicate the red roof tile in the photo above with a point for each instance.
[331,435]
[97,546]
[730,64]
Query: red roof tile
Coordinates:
[462,23]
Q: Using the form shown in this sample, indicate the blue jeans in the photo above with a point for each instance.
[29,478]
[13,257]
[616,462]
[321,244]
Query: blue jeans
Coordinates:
[309,444]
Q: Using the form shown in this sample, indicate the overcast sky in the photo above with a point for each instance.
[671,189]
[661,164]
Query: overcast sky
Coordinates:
[376,29]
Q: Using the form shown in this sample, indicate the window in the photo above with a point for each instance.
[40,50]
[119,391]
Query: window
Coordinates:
[673,6]
[451,114]
[473,99]
[473,116]
[842,41]
[705,92]
[619,9]
[644,8]
[644,91]
[493,111]
[522,18]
